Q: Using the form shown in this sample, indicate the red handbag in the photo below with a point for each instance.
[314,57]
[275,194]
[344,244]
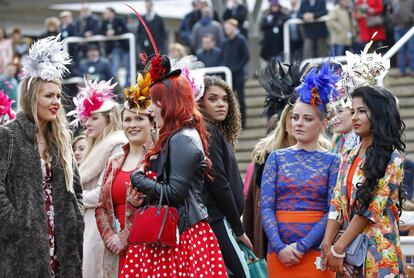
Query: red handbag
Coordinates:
[155,225]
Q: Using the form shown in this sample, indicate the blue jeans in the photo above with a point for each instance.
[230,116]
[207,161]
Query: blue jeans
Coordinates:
[119,55]
[407,48]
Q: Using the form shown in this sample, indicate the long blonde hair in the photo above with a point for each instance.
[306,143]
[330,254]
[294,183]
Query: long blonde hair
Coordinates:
[57,131]
[114,123]
[277,139]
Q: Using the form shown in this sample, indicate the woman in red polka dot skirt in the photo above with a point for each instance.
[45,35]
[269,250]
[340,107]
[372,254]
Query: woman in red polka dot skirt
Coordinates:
[179,152]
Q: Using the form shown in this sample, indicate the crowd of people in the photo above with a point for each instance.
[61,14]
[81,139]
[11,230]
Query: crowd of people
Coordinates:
[315,205]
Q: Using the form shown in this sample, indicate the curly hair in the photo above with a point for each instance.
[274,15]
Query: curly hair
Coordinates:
[387,131]
[231,126]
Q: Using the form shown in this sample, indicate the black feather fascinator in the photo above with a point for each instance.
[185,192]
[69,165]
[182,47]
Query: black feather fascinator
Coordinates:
[280,80]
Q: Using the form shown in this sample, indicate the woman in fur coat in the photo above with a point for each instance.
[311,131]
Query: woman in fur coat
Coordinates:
[100,115]
[41,211]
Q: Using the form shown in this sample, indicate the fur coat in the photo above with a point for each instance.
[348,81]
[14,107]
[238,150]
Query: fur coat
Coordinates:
[24,246]
[91,172]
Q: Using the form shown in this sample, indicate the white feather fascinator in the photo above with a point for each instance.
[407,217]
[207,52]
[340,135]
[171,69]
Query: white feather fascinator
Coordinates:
[46,60]
[363,69]
[96,96]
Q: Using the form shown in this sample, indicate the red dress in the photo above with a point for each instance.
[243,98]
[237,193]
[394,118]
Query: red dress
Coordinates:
[119,192]
[197,255]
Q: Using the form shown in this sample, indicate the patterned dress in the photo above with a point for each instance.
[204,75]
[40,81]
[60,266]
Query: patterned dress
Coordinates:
[384,251]
[296,192]
[47,190]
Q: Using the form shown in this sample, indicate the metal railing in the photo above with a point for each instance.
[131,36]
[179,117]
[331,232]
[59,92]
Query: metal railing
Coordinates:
[100,38]
[286,32]
[218,70]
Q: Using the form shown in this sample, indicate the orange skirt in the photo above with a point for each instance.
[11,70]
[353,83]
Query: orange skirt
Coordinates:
[306,268]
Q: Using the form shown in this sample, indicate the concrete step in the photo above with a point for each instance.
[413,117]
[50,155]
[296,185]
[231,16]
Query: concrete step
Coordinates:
[253,92]
[255,101]
[407,113]
[256,122]
[406,102]
[246,145]
[243,167]
[253,133]
[244,156]
[254,111]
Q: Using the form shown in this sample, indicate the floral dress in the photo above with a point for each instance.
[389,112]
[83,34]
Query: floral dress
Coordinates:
[384,257]
[47,190]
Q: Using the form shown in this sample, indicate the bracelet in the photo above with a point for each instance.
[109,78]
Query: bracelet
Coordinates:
[336,255]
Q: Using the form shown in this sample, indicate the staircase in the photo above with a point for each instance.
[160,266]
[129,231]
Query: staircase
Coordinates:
[403,88]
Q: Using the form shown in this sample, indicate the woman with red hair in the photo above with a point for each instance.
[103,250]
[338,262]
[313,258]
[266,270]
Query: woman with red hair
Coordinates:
[177,163]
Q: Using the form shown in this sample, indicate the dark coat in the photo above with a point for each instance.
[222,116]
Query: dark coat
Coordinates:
[118,25]
[85,24]
[100,69]
[272,27]
[24,246]
[157,28]
[210,58]
[185,171]
[251,216]
[315,30]
[235,54]
[239,13]
[223,195]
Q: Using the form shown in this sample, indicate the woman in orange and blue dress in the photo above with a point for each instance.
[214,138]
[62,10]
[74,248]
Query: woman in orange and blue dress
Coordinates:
[368,195]
[297,184]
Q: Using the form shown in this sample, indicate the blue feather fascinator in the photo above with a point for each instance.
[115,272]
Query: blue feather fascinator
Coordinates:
[318,87]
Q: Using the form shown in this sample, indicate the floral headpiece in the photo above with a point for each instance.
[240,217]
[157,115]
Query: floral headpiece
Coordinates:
[6,112]
[46,60]
[280,80]
[158,67]
[318,88]
[96,96]
[363,69]
[138,95]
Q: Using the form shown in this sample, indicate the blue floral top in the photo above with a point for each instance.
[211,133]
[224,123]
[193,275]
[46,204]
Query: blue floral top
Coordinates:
[297,180]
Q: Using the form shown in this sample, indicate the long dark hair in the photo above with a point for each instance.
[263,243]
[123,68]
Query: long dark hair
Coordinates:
[387,131]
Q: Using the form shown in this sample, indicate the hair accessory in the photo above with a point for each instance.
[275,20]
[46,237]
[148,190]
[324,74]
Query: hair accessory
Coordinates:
[159,66]
[96,96]
[280,80]
[363,69]
[138,95]
[46,60]
[6,112]
[318,88]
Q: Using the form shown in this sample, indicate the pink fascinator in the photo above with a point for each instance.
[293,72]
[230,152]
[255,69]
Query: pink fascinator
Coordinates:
[96,96]
[6,113]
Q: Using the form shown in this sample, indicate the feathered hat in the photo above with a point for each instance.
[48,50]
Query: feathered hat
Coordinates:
[96,96]
[159,66]
[280,80]
[46,60]
[6,112]
[318,87]
[363,69]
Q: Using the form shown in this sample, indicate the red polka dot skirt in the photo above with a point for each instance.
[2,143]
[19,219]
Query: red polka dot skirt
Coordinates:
[197,255]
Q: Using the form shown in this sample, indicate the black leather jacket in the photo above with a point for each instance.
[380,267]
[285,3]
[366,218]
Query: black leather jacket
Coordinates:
[184,165]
